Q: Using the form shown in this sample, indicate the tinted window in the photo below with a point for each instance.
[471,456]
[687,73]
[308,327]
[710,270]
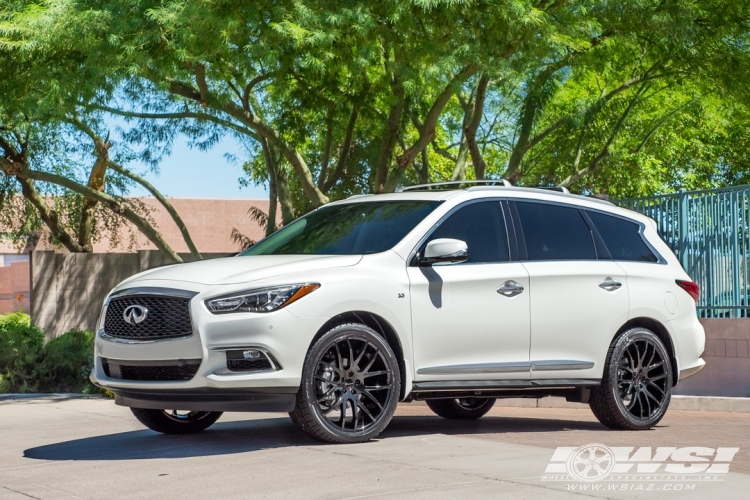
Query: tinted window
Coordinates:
[482,227]
[352,228]
[622,237]
[555,233]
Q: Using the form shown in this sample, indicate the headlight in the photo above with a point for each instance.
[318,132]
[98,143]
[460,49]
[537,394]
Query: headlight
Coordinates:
[102,315]
[261,299]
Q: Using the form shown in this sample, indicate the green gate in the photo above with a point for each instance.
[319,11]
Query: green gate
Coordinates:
[709,232]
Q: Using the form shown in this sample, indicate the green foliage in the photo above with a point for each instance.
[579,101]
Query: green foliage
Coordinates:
[67,363]
[334,98]
[28,364]
[21,350]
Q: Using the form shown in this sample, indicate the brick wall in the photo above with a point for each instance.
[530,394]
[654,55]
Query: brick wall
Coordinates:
[15,289]
[68,289]
[727,370]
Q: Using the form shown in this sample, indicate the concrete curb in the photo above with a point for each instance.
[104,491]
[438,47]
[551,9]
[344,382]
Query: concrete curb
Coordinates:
[679,403]
[45,397]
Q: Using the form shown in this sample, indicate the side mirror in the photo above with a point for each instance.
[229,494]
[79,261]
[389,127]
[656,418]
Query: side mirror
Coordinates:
[444,251]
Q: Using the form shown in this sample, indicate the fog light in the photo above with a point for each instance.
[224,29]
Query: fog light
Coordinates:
[251,354]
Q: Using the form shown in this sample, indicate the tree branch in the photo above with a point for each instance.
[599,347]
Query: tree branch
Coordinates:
[165,203]
[112,203]
[427,132]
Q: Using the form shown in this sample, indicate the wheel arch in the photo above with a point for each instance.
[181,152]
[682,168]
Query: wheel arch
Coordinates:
[377,323]
[660,331]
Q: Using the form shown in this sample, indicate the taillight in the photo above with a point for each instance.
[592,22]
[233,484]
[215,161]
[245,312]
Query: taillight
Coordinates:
[691,288]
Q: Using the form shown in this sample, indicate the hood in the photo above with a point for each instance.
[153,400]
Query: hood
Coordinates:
[231,270]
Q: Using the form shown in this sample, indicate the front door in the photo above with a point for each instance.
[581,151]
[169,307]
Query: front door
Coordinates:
[470,321]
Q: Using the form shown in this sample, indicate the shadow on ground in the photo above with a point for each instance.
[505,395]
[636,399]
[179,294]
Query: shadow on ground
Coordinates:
[253,435]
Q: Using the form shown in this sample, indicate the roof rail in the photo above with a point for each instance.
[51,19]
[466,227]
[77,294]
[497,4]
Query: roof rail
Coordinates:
[489,182]
[562,189]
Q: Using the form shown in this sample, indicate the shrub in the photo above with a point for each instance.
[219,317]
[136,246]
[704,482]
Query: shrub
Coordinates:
[21,350]
[27,364]
[17,317]
[66,363]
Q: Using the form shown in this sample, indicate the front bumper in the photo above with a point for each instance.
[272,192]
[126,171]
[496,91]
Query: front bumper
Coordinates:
[270,399]
[284,336]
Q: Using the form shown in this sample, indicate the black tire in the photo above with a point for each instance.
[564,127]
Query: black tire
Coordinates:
[461,409]
[350,373]
[637,384]
[173,422]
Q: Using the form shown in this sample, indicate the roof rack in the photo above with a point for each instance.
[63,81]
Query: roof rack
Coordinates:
[561,189]
[489,182]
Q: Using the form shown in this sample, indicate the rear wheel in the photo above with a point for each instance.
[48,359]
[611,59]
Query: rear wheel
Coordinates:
[350,386]
[176,422]
[637,383]
[461,409]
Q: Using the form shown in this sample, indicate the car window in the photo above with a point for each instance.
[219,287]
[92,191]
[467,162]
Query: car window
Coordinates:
[482,227]
[553,232]
[623,238]
[347,229]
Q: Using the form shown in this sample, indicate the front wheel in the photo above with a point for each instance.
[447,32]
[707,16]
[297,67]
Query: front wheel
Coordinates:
[637,383]
[461,409]
[176,422]
[350,386]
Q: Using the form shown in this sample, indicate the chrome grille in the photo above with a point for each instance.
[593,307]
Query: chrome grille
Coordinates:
[167,317]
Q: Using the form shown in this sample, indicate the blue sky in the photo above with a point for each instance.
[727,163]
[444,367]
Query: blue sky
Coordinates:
[191,173]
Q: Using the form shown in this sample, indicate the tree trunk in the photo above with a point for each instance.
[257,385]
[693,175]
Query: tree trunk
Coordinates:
[470,130]
[96,182]
[390,137]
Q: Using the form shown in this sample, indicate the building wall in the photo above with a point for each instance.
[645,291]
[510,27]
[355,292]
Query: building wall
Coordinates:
[15,289]
[210,223]
[68,289]
[727,370]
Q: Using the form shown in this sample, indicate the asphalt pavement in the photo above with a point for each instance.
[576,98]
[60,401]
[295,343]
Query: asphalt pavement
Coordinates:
[59,448]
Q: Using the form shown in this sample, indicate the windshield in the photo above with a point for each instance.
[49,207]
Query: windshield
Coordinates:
[352,228]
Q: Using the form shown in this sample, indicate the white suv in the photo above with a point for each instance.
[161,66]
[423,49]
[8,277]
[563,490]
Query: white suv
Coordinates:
[456,297]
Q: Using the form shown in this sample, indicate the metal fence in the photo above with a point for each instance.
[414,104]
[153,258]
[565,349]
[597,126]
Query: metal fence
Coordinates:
[709,231]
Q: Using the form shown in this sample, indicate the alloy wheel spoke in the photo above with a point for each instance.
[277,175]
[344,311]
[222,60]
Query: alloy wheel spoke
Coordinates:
[373,374]
[654,366]
[372,362]
[343,413]
[374,399]
[650,383]
[365,410]
[327,393]
[649,395]
[338,354]
[362,353]
[330,365]
[335,405]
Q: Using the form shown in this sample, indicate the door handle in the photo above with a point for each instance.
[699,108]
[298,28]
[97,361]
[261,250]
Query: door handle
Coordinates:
[510,289]
[610,285]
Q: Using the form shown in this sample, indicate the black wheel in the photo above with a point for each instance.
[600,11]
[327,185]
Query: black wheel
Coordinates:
[176,422]
[637,383]
[350,386]
[461,409]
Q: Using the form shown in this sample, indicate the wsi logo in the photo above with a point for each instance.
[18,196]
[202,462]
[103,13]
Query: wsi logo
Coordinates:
[598,462]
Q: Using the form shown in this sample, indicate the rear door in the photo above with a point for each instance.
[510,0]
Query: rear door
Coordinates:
[463,327]
[579,296]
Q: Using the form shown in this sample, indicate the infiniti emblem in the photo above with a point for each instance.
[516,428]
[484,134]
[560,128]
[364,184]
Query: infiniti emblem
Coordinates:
[134,314]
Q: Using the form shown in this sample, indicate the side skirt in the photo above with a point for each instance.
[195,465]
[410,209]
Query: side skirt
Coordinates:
[573,390]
